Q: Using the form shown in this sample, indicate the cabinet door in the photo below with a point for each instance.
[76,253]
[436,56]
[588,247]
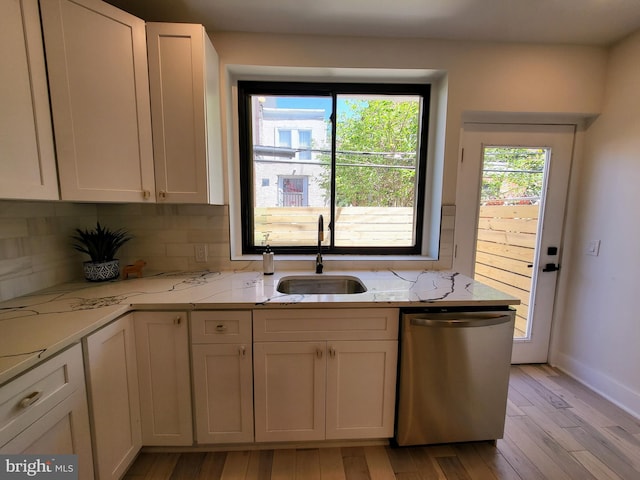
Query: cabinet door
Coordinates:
[223,391]
[361,387]
[28,168]
[63,430]
[183,82]
[113,393]
[99,85]
[289,383]
[163,369]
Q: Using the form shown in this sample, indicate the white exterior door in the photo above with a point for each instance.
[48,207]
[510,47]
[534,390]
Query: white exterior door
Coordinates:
[512,189]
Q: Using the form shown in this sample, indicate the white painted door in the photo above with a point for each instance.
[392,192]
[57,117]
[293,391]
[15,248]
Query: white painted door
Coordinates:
[511,196]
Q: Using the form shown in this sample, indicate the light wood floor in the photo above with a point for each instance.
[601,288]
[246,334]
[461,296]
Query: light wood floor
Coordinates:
[555,429]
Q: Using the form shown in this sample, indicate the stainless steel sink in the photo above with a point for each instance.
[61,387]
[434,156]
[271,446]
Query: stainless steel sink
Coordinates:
[321,284]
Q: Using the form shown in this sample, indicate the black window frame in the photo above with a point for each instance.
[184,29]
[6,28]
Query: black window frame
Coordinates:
[247,88]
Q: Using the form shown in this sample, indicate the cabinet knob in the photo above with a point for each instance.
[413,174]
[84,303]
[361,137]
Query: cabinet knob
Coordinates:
[162,195]
[146,194]
[242,351]
[221,328]
[319,352]
[332,352]
[177,320]
[30,399]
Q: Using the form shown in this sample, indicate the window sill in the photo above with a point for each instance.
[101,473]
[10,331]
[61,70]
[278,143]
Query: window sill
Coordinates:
[341,258]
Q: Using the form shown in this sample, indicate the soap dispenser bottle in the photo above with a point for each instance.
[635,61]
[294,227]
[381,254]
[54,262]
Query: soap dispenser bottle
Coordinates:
[267,261]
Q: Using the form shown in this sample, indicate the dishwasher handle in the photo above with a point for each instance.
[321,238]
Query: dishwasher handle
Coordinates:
[458,320]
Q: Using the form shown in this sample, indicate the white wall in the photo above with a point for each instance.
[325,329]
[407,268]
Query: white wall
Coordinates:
[597,325]
[481,77]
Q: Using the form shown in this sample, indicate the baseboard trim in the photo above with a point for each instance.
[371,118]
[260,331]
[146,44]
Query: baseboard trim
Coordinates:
[617,393]
[266,446]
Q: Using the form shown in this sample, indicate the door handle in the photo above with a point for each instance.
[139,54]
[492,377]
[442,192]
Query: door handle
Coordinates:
[551,267]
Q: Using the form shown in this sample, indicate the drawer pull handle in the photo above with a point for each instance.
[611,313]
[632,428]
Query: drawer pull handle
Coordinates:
[30,399]
[242,351]
[221,328]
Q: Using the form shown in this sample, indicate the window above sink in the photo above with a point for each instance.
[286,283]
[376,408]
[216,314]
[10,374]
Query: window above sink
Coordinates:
[354,153]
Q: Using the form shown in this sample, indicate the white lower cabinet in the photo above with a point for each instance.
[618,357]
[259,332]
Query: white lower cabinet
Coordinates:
[162,348]
[44,411]
[265,375]
[290,383]
[361,387]
[222,376]
[113,392]
[317,379]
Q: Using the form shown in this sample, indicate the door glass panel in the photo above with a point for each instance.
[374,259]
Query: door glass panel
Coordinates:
[509,214]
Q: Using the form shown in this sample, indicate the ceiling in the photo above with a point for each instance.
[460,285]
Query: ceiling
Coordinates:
[583,22]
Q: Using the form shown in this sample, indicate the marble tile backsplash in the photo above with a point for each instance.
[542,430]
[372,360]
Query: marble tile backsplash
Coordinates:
[35,249]
[165,236]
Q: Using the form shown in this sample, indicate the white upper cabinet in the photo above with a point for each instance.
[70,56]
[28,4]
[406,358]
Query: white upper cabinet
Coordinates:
[185,106]
[97,64]
[27,160]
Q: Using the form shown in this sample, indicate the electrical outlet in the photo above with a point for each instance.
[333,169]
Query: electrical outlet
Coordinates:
[201,253]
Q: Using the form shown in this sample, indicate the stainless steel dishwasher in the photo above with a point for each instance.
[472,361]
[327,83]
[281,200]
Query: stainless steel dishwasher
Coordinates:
[453,375]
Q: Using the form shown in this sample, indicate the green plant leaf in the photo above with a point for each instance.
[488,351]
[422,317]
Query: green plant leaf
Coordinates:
[100,243]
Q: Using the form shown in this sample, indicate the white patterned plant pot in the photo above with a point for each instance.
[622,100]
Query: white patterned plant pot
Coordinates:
[101,271]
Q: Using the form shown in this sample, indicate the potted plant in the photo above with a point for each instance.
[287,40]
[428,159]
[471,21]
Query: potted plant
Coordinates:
[101,244]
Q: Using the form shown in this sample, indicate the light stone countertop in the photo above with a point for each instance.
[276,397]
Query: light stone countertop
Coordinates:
[37,326]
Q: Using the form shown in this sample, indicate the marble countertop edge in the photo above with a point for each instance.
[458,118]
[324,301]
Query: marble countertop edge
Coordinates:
[37,326]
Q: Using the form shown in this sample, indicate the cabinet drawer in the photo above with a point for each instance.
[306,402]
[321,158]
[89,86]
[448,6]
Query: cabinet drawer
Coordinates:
[325,324]
[28,397]
[221,326]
